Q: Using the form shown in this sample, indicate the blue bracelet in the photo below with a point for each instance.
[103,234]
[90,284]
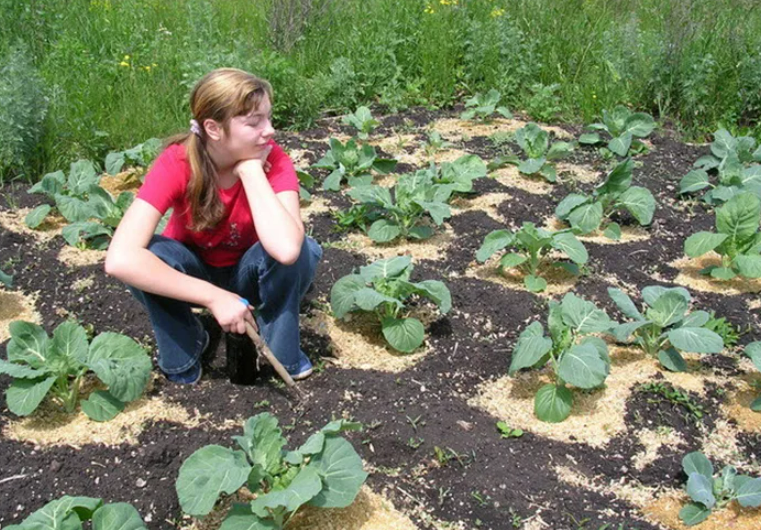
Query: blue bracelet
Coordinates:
[244,302]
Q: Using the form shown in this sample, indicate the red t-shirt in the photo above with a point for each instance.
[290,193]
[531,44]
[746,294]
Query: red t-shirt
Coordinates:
[165,187]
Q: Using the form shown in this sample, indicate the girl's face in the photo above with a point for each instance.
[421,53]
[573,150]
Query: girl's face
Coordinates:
[249,134]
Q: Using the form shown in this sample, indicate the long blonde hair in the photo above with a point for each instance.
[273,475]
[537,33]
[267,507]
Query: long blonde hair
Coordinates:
[219,95]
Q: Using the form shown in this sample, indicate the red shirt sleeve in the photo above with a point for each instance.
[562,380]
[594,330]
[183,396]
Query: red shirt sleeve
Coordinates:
[167,179]
[282,175]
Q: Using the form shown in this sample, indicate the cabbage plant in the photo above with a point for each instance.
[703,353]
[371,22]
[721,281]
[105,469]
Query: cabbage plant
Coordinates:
[531,246]
[574,356]
[483,106]
[325,471]
[708,492]
[140,155]
[68,513]
[735,161]
[42,366]
[353,162]
[383,288]
[737,239]
[586,213]
[535,143]
[362,120]
[624,128]
[753,350]
[665,327]
[460,173]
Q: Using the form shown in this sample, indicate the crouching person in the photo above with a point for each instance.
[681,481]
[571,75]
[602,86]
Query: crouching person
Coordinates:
[235,240]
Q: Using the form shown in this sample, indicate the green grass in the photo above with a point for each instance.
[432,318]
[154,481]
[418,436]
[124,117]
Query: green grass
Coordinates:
[696,62]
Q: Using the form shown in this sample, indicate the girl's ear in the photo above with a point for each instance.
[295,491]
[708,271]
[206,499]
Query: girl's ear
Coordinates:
[213,129]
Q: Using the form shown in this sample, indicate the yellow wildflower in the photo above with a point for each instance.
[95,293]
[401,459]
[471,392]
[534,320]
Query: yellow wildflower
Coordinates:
[154,65]
[124,63]
[429,10]
[126,58]
[497,12]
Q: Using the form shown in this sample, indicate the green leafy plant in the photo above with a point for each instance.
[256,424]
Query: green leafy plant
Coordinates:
[436,143]
[355,217]
[737,239]
[735,163]
[535,143]
[363,121]
[415,198]
[506,431]
[721,326]
[665,327]
[140,155]
[40,365]
[460,173]
[70,512]
[531,246]
[383,287]
[6,279]
[676,397]
[623,126]
[575,357]
[585,213]
[483,106]
[544,103]
[709,492]
[306,181]
[353,162]
[753,351]
[325,472]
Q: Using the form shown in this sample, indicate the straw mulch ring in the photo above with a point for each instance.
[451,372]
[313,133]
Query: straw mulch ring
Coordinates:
[652,441]
[433,248]
[13,220]
[559,280]
[129,180]
[689,276]
[665,511]
[453,129]
[369,511]
[299,157]
[575,172]
[597,415]
[76,257]
[487,203]
[314,207]
[15,305]
[737,404]
[358,342]
[628,233]
[510,176]
[49,425]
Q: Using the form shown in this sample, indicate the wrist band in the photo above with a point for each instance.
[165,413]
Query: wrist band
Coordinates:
[244,302]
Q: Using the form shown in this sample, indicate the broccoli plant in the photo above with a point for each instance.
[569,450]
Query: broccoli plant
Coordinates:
[70,512]
[585,213]
[483,106]
[737,239]
[575,357]
[400,214]
[708,492]
[535,143]
[665,327]
[383,287]
[325,472]
[40,365]
[623,126]
[735,162]
[363,121]
[141,156]
[753,351]
[531,246]
[352,162]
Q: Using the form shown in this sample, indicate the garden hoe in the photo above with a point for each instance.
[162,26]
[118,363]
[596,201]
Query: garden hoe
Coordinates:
[264,350]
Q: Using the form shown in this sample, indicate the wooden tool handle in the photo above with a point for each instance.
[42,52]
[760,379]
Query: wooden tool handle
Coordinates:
[262,348]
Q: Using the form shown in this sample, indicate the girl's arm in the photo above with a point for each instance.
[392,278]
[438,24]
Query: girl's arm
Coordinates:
[277,217]
[129,260]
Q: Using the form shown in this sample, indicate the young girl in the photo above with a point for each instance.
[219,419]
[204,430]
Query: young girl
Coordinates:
[235,233]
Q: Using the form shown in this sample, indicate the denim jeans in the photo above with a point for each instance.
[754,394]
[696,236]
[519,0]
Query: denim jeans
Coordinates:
[274,289]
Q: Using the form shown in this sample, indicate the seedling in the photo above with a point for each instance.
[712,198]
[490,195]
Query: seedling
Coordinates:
[676,397]
[483,106]
[709,492]
[508,432]
[735,162]
[737,239]
[40,366]
[414,422]
[721,326]
[665,327]
[6,279]
[416,197]
[585,213]
[436,143]
[141,156]
[532,245]
[356,217]
[535,143]
[623,126]
[575,357]
[325,472]
[753,350]
[363,121]
[415,442]
[70,512]
[352,162]
[382,288]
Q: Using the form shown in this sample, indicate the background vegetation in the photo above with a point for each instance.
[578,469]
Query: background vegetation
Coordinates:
[107,74]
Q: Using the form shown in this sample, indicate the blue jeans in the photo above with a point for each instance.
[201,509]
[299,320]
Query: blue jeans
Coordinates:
[274,289]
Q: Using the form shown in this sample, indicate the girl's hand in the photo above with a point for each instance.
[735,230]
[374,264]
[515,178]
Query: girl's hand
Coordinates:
[244,167]
[232,312]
